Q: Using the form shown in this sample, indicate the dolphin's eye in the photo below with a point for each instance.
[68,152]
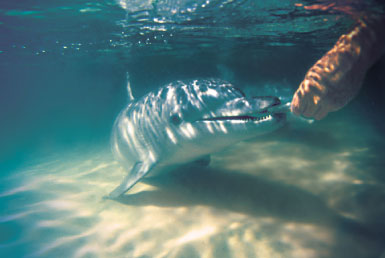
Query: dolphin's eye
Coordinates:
[176,119]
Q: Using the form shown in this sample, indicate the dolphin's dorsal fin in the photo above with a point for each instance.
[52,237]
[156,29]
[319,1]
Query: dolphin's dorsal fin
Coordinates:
[129,91]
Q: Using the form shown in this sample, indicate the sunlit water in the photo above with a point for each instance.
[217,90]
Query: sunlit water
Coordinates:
[306,190]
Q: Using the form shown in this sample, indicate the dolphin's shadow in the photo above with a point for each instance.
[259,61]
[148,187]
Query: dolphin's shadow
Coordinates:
[193,185]
[251,195]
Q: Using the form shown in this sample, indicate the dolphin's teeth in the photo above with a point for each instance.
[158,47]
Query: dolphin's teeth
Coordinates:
[245,118]
[261,118]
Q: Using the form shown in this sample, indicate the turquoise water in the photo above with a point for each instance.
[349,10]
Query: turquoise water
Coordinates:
[306,190]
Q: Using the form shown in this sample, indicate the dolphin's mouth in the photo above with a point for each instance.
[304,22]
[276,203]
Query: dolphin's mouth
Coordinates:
[239,118]
[247,118]
[260,109]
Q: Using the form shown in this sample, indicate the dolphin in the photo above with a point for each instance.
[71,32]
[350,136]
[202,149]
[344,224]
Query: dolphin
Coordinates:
[185,121]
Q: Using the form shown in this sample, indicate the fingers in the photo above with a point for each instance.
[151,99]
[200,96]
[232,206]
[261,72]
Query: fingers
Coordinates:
[302,107]
[296,104]
[307,101]
[313,105]
[301,102]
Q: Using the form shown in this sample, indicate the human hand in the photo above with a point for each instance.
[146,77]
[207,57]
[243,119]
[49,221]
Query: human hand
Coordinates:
[310,100]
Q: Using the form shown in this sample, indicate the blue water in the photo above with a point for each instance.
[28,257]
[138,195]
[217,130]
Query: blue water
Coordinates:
[307,190]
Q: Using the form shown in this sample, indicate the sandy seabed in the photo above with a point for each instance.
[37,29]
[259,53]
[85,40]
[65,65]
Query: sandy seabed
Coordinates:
[298,192]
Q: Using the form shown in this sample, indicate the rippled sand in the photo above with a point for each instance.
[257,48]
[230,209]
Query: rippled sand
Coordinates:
[299,192]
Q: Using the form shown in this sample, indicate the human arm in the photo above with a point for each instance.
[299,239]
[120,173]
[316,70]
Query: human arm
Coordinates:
[335,79]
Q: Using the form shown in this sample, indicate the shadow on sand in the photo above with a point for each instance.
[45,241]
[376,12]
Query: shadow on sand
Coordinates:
[237,192]
[258,197]
[194,185]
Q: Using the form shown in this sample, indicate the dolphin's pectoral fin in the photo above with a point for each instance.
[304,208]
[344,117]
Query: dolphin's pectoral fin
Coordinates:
[139,170]
[203,161]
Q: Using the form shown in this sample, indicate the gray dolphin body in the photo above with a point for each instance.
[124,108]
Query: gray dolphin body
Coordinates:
[184,121]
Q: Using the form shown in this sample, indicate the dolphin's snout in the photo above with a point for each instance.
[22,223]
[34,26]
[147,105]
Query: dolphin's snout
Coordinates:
[268,100]
[280,108]
[262,104]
